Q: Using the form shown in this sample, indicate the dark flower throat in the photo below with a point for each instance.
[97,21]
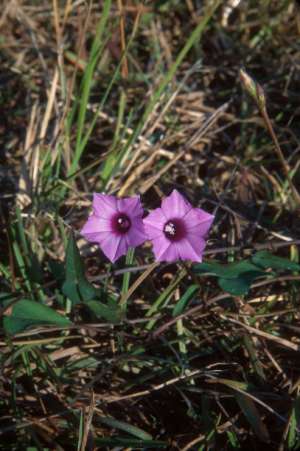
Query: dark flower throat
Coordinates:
[174,229]
[121,223]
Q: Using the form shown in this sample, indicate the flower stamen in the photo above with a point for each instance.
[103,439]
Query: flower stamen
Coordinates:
[121,223]
[174,230]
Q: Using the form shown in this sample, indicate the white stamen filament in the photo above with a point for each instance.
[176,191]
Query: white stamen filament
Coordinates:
[170,228]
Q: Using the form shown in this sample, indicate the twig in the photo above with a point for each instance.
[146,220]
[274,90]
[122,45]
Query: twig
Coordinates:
[261,333]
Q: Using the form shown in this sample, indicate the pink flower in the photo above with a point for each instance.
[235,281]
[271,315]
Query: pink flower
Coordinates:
[177,230]
[115,224]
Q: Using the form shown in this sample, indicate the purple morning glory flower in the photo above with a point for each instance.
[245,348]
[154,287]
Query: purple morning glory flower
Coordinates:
[177,230]
[115,224]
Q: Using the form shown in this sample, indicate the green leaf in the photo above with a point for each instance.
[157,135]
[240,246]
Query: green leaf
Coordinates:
[57,269]
[230,271]
[6,299]
[235,278]
[240,285]
[123,426]
[253,416]
[87,83]
[242,268]
[266,260]
[248,407]
[76,287]
[232,437]
[110,312]
[117,442]
[32,266]
[209,268]
[187,296]
[84,362]
[294,421]
[26,313]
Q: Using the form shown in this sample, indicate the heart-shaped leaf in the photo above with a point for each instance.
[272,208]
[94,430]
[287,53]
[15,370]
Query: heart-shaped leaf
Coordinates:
[26,313]
[235,278]
[76,287]
[110,312]
[240,285]
[266,260]
[230,271]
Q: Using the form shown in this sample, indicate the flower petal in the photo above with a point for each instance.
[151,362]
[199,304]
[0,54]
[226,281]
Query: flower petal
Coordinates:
[175,205]
[114,246]
[170,254]
[136,234]
[154,223]
[131,206]
[95,226]
[198,220]
[164,250]
[100,225]
[191,249]
[104,205]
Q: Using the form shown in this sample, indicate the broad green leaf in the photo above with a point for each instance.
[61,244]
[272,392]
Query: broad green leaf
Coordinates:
[253,416]
[110,312]
[209,268]
[234,278]
[57,269]
[266,260]
[123,426]
[187,296]
[34,269]
[230,271]
[242,268]
[248,407]
[238,286]
[26,313]
[76,287]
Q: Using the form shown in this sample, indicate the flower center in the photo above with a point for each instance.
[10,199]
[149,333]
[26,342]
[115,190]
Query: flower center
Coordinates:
[174,229]
[121,223]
